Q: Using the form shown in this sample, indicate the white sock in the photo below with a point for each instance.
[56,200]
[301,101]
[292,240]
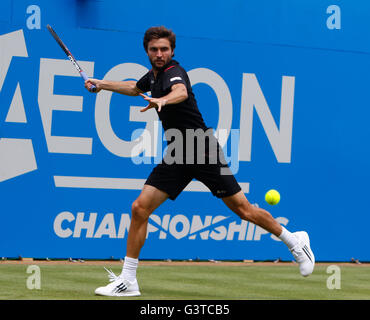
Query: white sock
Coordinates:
[129,268]
[288,238]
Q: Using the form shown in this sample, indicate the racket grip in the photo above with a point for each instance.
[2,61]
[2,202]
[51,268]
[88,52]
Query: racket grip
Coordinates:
[84,76]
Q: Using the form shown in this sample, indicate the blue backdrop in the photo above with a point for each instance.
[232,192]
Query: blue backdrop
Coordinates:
[286,80]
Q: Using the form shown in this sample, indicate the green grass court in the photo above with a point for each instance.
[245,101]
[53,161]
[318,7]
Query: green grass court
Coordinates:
[76,281]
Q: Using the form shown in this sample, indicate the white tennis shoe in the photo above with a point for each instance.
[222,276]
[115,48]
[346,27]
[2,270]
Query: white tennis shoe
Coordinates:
[303,254]
[118,287]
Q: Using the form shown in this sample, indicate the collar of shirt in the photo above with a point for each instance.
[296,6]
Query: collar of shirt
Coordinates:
[166,67]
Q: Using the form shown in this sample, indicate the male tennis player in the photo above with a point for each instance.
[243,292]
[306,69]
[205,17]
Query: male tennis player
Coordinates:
[173,100]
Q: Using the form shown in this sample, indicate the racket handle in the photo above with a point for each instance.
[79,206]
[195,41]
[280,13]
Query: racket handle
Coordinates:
[84,76]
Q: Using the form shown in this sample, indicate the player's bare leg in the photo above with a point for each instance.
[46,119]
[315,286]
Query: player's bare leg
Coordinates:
[149,199]
[126,284]
[297,242]
[239,204]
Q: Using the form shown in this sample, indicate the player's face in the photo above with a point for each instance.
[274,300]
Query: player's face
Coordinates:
[159,52]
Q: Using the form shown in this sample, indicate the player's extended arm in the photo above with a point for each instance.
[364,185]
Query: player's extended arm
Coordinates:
[127,88]
[178,94]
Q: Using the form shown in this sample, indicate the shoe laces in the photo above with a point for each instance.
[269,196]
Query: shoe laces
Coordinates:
[111,275]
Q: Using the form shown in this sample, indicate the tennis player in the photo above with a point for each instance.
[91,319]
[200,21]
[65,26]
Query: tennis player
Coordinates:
[173,100]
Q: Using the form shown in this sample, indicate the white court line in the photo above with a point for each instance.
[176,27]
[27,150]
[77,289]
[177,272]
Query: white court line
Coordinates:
[123,183]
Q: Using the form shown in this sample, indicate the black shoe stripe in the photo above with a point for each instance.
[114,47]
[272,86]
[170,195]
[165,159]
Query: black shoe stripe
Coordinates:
[306,251]
[120,288]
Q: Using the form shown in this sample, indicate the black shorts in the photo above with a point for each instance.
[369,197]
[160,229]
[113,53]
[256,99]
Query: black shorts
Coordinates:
[205,163]
[173,178]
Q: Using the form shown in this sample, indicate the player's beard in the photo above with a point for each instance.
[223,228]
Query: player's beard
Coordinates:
[158,68]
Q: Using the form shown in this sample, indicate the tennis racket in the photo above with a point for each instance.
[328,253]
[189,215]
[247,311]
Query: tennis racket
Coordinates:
[70,56]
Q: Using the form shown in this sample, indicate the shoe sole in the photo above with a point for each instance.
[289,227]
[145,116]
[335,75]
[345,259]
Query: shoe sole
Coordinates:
[130,294]
[307,248]
[305,240]
[126,294]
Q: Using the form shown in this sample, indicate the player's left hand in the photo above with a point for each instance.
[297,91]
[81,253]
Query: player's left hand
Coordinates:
[157,103]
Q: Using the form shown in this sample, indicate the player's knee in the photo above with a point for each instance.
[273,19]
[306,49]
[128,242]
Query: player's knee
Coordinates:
[139,210]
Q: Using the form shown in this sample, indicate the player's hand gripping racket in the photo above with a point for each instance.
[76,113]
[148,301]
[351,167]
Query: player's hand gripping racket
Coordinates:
[70,56]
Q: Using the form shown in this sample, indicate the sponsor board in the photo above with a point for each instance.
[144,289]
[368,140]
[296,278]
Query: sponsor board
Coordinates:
[289,110]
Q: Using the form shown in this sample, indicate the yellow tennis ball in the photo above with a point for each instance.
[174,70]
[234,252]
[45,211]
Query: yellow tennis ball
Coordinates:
[272,197]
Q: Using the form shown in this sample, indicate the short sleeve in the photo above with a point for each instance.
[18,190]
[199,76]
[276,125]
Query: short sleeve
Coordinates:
[144,83]
[173,75]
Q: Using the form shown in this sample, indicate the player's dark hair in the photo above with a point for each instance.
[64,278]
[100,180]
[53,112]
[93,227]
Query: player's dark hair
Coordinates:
[158,33]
